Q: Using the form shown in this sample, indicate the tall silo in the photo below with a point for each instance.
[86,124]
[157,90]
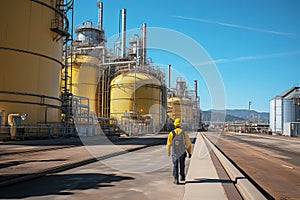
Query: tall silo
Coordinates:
[31,44]
[285,112]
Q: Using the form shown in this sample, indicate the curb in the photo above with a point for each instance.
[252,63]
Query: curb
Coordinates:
[244,186]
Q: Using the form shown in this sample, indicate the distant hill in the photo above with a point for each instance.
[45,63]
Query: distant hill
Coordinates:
[235,115]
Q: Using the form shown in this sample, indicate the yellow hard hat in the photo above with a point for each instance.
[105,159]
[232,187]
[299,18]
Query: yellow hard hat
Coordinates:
[177,122]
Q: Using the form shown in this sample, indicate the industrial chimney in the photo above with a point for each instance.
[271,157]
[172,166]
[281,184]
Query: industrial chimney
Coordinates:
[123,49]
[169,73]
[100,15]
[144,43]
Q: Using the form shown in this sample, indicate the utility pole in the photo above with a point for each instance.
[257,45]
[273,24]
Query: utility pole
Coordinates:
[249,116]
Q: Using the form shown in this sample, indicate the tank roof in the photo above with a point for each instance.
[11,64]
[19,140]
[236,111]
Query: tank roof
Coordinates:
[141,78]
[289,94]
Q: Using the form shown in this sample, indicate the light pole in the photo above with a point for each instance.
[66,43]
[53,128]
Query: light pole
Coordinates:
[249,115]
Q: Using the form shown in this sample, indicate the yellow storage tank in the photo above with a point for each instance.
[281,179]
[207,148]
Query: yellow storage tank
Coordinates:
[84,78]
[175,108]
[30,59]
[181,107]
[147,96]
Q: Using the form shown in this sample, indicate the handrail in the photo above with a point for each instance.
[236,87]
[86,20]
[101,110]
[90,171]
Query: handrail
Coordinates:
[56,10]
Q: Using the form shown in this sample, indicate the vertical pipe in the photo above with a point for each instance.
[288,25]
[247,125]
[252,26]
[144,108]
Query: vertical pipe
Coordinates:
[103,55]
[137,48]
[2,117]
[169,74]
[144,43]
[100,15]
[196,114]
[134,90]
[123,33]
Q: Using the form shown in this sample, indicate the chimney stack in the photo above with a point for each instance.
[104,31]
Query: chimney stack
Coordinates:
[144,43]
[100,15]
[169,73]
[123,33]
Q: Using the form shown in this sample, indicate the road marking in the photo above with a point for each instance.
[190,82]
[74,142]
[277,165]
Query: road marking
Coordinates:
[288,166]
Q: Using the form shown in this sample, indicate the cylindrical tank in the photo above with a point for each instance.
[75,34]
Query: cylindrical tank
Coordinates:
[30,59]
[87,34]
[88,51]
[181,107]
[147,96]
[84,78]
[174,105]
[289,110]
[187,112]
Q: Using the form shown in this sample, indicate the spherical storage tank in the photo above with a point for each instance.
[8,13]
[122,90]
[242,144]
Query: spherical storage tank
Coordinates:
[147,96]
[30,59]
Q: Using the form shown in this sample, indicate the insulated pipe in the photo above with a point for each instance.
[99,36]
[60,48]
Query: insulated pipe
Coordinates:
[100,15]
[123,49]
[144,43]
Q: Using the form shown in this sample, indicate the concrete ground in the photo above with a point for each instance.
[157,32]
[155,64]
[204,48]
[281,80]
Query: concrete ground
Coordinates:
[142,174]
[145,174]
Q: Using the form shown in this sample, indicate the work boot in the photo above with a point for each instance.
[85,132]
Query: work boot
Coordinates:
[176,181]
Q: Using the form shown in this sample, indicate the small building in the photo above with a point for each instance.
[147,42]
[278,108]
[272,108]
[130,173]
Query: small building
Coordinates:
[285,112]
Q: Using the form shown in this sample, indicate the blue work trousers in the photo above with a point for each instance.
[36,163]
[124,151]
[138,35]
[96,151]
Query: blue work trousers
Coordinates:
[181,162]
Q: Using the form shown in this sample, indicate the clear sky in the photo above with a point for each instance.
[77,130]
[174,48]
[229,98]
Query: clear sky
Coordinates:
[255,44]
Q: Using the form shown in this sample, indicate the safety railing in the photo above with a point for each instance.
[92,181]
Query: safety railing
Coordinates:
[29,131]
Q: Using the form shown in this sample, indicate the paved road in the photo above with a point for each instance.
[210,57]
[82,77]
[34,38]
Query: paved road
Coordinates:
[272,162]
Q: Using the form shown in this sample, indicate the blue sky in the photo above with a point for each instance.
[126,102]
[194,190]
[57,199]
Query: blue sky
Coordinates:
[255,44]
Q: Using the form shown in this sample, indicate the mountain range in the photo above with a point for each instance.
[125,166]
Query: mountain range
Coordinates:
[235,115]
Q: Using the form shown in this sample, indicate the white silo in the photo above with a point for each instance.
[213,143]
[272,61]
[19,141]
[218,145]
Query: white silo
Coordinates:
[285,112]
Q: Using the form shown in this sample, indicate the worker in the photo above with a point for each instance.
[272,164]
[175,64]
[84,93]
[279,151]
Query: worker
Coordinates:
[180,142]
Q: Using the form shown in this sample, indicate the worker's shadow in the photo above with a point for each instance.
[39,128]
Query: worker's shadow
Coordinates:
[209,180]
